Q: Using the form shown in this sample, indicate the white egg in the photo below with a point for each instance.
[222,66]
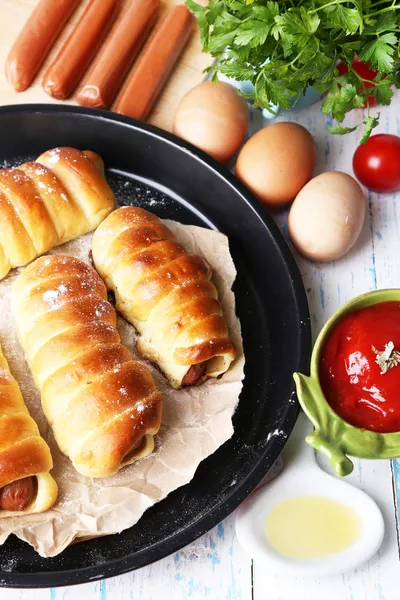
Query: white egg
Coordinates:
[327,216]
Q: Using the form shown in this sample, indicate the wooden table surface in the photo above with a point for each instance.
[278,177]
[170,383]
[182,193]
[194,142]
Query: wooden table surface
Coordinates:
[187,73]
[215,567]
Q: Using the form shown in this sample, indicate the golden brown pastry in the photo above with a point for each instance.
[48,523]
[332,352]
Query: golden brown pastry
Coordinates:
[166,293]
[26,485]
[60,196]
[102,405]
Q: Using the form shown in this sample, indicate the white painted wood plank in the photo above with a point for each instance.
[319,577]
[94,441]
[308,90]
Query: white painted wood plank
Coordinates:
[372,263]
[7,594]
[385,219]
[214,567]
[377,580]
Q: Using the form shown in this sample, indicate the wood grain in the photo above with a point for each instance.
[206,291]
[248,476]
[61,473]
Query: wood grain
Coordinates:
[188,72]
[215,567]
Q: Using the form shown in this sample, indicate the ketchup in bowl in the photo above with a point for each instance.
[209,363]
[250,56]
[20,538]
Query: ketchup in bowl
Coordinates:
[359,368]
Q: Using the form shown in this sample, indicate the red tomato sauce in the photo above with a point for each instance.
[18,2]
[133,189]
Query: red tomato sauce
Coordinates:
[350,377]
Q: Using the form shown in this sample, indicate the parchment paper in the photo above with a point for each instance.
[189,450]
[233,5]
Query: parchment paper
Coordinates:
[196,421]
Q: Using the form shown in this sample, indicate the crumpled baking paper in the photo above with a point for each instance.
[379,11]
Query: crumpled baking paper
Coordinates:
[196,421]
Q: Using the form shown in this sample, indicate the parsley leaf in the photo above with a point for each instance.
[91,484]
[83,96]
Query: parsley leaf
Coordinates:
[219,41]
[386,21]
[369,124]
[383,92]
[340,130]
[201,16]
[379,52]
[285,47]
[349,19]
[253,33]
[269,92]
[347,93]
[238,69]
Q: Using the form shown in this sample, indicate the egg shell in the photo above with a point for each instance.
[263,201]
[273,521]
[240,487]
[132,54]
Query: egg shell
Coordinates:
[277,162]
[327,216]
[213,117]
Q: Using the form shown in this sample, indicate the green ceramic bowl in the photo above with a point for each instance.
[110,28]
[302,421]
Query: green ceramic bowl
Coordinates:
[333,436]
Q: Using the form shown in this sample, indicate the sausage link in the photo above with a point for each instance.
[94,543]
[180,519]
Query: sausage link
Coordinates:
[35,40]
[63,75]
[155,64]
[194,374]
[18,495]
[120,50]
[136,448]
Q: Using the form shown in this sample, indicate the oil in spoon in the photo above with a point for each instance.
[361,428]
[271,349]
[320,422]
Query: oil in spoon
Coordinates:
[312,527]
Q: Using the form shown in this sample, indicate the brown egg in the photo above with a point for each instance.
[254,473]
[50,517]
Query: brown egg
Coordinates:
[327,216]
[276,162]
[213,117]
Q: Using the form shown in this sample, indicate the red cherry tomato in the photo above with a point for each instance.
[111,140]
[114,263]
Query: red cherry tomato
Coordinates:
[364,71]
[376,164]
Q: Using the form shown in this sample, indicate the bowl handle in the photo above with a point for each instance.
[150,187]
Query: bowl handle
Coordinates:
[327,436]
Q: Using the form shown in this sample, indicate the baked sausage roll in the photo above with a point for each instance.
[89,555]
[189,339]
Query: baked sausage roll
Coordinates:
[166,294]
[102,405]
[57,198]
[26,485]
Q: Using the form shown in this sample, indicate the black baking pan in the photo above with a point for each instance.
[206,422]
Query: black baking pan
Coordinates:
[158,171]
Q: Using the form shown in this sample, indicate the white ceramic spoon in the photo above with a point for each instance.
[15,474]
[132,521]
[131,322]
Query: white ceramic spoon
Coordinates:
[302,477]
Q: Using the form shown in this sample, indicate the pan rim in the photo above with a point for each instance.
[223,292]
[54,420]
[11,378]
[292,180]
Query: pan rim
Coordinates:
[239,492]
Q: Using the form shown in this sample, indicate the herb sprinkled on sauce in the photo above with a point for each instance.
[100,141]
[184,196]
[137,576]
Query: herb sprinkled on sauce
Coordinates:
[388,358]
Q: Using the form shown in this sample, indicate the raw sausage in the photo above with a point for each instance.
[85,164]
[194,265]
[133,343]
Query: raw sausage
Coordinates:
[155,64]
[35,40]
[63,75]
[18,495]
[194,374]
[120,50]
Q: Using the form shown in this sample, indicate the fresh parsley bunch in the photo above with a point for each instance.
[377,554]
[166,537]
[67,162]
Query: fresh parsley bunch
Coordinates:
[284,47]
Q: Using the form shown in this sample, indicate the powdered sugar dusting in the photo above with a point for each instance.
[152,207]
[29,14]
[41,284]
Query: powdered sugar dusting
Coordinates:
[130,192]
[4,375]
[275,433]
[54,156]
[13,162]
[195,421]
[51,297]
